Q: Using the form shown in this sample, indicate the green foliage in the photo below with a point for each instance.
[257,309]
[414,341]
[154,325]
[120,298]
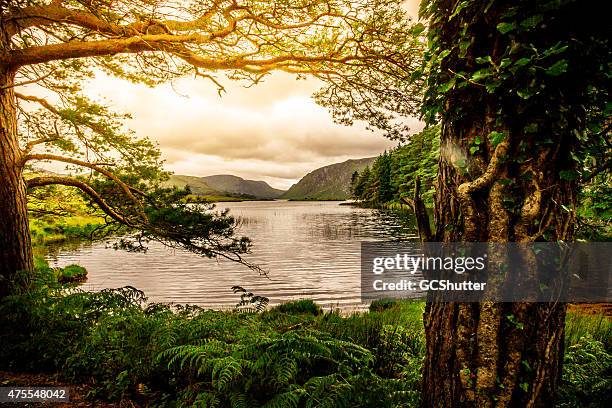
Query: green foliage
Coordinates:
[597,326]
[379,305]
[545,68]
[526,73]
[185,356]
[72,273]
[55,277]
[393,174]
[587,375]
[58,213]
[172,356]
[250,302]
[302,306]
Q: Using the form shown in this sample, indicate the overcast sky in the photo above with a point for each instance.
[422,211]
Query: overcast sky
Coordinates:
[273,131]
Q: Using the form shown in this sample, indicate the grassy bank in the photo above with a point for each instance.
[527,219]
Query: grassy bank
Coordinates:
[59,213]
[59,229]
[290,355]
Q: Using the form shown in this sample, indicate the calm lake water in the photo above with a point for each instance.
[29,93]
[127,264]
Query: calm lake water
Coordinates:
[310,250]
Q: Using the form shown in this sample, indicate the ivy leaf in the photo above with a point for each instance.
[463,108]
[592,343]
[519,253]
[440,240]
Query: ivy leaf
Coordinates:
[522,62]
[496,137]
[532,21]
[443,54]
[447,86]
[555,49]
[481,73]
[557,68]
[463,47]
[491,86]
[505,27]
[484,60]
[416,74]
[525,93]
[474,149]
[458,9]
[526,365]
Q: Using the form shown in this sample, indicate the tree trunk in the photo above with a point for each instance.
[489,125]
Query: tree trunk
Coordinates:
[15,244]
[505,175]
[495,354]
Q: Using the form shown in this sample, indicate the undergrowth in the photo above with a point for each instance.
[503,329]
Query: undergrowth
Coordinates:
[172,356]
[292,355]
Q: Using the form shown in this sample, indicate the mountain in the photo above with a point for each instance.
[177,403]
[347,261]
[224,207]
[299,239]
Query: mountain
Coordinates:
[197,185]
[239,186]
[327,183]
[225,185]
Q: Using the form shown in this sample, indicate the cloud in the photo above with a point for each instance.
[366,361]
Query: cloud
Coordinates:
[273,131]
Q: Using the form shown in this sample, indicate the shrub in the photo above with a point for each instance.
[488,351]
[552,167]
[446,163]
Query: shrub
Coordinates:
[587,375]
[302,306]
[380,305]
[184,355]
[71,274]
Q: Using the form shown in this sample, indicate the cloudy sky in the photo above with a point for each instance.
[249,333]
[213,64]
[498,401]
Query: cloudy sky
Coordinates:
[273,131]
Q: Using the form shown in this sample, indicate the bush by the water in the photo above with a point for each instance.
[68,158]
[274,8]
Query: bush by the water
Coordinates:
[293,355]
[299,306]
[51,276]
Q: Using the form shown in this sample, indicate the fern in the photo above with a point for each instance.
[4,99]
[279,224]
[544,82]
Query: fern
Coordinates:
[224,371]
[185,356]
[249,302]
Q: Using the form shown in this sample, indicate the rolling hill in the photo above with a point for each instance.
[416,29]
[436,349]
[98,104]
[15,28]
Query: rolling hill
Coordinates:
[197,185]
[327,183]
[226,185]
[237,185]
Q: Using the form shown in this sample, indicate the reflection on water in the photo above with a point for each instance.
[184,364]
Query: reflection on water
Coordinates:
[310,249]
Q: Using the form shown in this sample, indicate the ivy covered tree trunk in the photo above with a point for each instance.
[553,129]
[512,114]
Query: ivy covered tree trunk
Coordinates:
[15,245]
[511,83]
[495,354]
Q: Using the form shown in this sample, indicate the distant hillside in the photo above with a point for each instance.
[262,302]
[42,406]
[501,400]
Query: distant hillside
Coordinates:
[197,185]
[227,185]
[237,185]
[327,183]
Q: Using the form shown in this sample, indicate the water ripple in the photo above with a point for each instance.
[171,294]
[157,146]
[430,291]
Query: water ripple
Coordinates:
[310,249]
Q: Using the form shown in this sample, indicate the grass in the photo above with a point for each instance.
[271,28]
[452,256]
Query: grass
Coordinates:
[301,306]
[192,198]
[59,276]
[578,325]
[62,228]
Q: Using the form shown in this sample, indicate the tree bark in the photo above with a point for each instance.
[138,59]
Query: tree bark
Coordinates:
[513,188]
[494,354]
[15,243]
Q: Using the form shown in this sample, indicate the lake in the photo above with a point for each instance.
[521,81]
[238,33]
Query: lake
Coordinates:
[309,249]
